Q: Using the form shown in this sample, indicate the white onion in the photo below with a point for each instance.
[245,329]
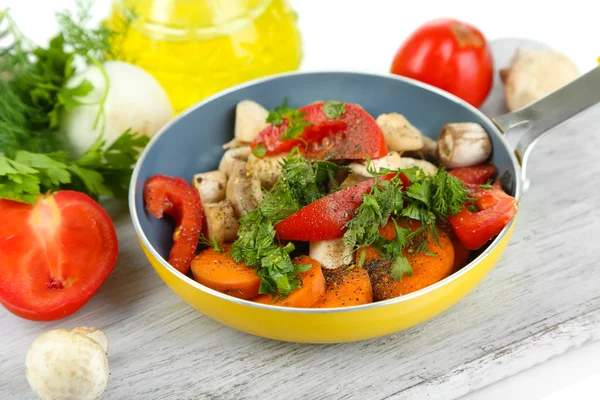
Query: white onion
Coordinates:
[134,100]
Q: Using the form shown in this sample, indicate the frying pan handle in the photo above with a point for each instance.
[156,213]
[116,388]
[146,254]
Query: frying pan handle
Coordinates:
[540,117]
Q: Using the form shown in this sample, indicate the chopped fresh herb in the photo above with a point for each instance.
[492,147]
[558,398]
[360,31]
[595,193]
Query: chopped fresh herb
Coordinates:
[334,109]
[400,267]
[295,119]
[427,199]
[487,185]
[210,243]
[362,258]
[260,150]
[301,183]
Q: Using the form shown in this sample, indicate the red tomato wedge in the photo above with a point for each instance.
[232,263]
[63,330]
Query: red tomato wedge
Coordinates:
[354,135]
[176,198]
[54,254]
[326,218]
[270,136]
[477,175]
[495,210]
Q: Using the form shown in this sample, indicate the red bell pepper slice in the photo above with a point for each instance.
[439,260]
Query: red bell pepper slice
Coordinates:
[495,210]
[176,198]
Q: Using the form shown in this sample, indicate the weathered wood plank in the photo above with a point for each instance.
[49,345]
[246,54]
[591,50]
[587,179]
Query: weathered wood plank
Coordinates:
[541,300]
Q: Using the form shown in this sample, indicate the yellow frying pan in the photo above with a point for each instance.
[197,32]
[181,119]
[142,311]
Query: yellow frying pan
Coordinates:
[192,143]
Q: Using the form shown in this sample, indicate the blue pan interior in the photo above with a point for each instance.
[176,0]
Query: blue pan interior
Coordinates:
[193,142]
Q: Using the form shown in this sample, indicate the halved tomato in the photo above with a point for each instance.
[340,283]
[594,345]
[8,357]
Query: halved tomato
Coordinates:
[54,254]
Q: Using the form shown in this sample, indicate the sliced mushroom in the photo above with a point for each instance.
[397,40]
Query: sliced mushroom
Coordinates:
[399,134]
[463,144]
[234,160]
[393,161]
[266,169]
[250,119]
[330,253]
[244,192]
[211,186]
[221,222]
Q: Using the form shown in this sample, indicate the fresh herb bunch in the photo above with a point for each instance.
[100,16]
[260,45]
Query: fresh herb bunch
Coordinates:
[302,182]
[428,199]
[33,156]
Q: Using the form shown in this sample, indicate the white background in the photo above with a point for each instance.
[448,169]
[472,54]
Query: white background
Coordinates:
[364,35]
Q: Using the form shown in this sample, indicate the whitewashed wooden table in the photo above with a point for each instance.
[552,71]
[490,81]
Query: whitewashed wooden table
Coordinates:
[541,300]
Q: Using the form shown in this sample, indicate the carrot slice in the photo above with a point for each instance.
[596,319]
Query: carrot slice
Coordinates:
[313,287]
[427,270]
[346,287]
[220,272]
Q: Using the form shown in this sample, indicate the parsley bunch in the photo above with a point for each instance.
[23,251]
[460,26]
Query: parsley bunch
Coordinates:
[33,156]
[302,182]
[428,199]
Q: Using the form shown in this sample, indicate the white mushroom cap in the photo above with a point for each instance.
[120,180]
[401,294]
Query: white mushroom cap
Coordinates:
[66,365]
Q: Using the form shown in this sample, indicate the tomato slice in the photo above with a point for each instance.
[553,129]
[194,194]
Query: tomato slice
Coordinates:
[477,174]
[54,254]
[362,136]
[354,135]
[270,136]
[495,210]
[326,218]
[176,198]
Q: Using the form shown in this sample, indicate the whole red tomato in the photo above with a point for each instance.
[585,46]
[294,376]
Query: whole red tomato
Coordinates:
[451,55]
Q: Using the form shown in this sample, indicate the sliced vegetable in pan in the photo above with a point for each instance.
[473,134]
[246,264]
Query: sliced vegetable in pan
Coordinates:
[379,224]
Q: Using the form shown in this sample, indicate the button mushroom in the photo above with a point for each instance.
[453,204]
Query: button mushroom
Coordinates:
[463,144]
[234,161]
[393,161]
[62,364]
[399,134]
[211,186]
[330,253]
[221,222]
[532,75]
[266,169]
[244,192]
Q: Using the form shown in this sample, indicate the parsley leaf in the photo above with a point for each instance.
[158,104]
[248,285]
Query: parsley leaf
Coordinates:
[302,182]
[400,267]
[295,119]
[260,150]
[334,109]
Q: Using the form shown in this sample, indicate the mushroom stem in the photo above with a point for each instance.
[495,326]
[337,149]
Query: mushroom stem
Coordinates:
[250,119]
[463,145]
[221,223]
[211,186]
[399,134]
